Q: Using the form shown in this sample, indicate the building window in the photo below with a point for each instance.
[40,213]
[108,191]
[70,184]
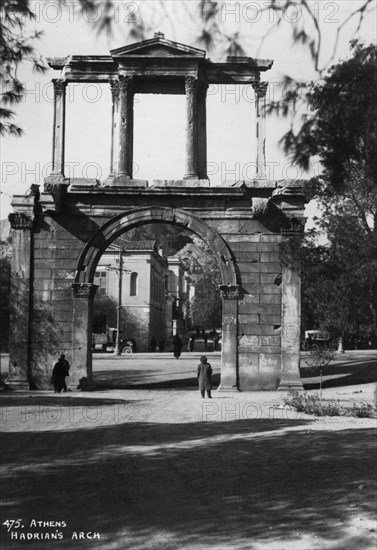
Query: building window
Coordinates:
[133,284]
[100,278]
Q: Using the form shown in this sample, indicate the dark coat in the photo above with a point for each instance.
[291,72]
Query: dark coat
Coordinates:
[177,344]
[59,372]
[204,376]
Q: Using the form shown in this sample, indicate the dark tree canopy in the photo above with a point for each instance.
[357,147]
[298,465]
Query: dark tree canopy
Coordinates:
[340,277]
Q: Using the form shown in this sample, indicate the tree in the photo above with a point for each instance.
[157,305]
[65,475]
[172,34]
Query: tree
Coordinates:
[340,278]
[205,275]
[5,282]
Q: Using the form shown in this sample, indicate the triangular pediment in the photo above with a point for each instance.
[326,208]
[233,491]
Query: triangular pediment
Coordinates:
[158,47]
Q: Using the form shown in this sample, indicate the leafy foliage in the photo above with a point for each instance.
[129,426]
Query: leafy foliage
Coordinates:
[205,275]
[206,22]
[15,47]
[312,404]
[5,283]
[340,277]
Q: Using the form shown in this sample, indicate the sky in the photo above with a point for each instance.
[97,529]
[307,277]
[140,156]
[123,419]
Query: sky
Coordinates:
[160,120]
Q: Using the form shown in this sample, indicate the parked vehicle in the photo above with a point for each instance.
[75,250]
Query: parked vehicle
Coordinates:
[316,339]
[104,341]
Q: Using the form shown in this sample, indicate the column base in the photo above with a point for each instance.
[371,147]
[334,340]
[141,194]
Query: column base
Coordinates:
[228,389]
[286,385]
[17,383]
[124,181]
[194,182]
[56,179]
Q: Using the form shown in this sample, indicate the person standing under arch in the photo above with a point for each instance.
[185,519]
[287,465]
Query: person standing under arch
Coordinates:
[204,377]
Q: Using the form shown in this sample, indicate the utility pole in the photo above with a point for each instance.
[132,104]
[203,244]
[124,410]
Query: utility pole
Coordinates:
[120,272]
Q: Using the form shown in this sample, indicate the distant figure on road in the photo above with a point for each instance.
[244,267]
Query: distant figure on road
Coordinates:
[191,343]
[177,345]
[161,344]
[59,372]
[216,341]
[205,338]
[204,377]
[153,344]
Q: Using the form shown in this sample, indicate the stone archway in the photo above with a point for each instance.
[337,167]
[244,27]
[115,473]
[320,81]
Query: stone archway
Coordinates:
[84,289]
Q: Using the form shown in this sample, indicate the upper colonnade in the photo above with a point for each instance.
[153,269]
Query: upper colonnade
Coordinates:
[158,66]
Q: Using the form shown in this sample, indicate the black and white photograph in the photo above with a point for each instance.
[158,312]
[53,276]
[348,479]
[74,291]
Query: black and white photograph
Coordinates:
[188,274]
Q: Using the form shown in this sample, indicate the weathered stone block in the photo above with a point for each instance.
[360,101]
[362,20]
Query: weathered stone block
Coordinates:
[249,299]
[271,257]
[272,238]
[270,299]
[253,377]
[262,268]
[42,272]
[249,341]
[270,319]
[248,319]
[266,309]
[257,329]
[269,277]
[250,278]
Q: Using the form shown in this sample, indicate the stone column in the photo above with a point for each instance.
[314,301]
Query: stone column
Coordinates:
[191,86]
[20,376]
[202,130]
[126,127]
[58,139]
[81,371]
[114,86]
[229,357]
[291,315]
[260,89]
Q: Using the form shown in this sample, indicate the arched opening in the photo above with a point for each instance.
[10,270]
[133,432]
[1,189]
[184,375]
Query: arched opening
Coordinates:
[161,293]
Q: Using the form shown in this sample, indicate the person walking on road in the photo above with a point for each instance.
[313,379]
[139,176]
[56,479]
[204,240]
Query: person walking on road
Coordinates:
[161,344]
[204,377]
[177,346]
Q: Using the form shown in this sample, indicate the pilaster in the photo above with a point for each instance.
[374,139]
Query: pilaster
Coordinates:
[202,130]
[290,317]
[229,360]
[126,125]
[21,302]
[191,87]
[82,371]
[260,89]
[115,92]
[58,139]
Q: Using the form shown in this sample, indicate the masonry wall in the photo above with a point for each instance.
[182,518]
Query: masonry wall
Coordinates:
[256,252]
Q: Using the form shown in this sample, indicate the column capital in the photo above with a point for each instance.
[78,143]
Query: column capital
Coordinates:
[84,290]
[191,84]
[59,85]
[292,227]
[260,88]
[126,83]
[115,89]
[20,220]
[230,292]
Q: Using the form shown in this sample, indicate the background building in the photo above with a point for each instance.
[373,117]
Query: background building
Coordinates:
[154,290]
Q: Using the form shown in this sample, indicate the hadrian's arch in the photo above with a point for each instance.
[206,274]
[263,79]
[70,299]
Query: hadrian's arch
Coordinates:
[60,231]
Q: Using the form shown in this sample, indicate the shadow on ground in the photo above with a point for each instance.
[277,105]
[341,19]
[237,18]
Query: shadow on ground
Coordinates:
[345,374]
[137,379]
[148,485]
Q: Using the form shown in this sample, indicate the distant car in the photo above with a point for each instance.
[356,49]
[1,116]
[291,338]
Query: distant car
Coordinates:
[316,339]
